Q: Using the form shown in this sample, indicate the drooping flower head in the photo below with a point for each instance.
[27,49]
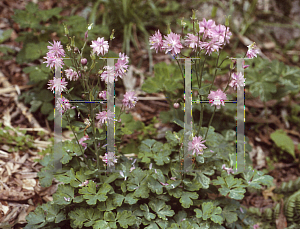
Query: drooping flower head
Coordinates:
[237,81]
[57,84]
[81,141]
[129,99]
[252,51]
[53,61]
[109,158]
[100,46]
[172,43]
[71,74]
[56,49]
[156,41]
[121,66]
[191,41]
[63,105]
[217,98]
[105,116]
[197,145]
[102,95]
[108,75]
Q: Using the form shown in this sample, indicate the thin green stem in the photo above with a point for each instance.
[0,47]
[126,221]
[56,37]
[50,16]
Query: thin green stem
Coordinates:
[210,122]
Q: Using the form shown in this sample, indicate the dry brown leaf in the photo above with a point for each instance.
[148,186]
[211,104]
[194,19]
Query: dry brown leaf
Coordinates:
[268,192]
[29,184]
[16,196]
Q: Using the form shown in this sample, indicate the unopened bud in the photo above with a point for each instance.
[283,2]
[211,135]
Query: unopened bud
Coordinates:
[83,96]
[83,61]
[76,49]
[176,105]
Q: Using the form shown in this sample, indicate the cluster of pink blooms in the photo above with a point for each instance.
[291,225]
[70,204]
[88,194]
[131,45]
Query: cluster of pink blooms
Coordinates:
[71,74]
[213,38]
[120,69]
[54,55]
[228,170]
[63,105]
[109,159]
[197,145]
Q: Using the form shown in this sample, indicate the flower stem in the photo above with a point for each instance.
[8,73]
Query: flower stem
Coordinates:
[210,122]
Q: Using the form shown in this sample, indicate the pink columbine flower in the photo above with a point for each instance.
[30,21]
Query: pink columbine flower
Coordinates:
[172,43]
[197,145]
[228,170]
[108,75]
[100,46]
[156,41]
[191,41]
[71,74]
[63,105]
[81,141]
[238,81]
[53,61]
[129,99]
[121,66]
[102,95]
[56,49]
[164,184]
[252,51]
[85,183]
[211,46]
[206,27]
[104,115]
[217,98]
[109,158]
[220,31]
[57,84]
[255,226]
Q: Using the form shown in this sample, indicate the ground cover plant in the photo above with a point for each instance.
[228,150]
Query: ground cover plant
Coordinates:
[148,192]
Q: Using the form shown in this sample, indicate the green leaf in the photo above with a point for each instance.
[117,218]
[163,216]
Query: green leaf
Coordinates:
[125,218]
[47,108]
[35,104]
[5,35]
[90,193]
[283,141]
[37,217]
[198,213]
[229,213]
[162,210]
[118,199]
[186,199]
[155,186]
[63,190]
[202,179]
[109,216]
[101,224]
[78,217]
[215,217]
[147,214]
[130,199]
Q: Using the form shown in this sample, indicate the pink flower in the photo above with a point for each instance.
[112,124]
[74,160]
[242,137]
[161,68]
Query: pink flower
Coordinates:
[173,178]
[85,183]
[129,99]
[103,116]
[53,61]
[81,141]
[238,81]
[71,74]
[63,105]
[219,32]
[109,159]
[228,170]
[211,46]
[252,51]
[100,46]
[108,75]
[121,66]
[156,41]
[217,98]
[206,27]
[191,41]
[57,84]
[164,184]
[102,95]
[197,145]
[255,226]
[172,43]
[56,49]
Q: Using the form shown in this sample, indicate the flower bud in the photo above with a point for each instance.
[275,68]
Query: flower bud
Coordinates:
[76,49]
[83,96]
[176,105]
[83,61]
